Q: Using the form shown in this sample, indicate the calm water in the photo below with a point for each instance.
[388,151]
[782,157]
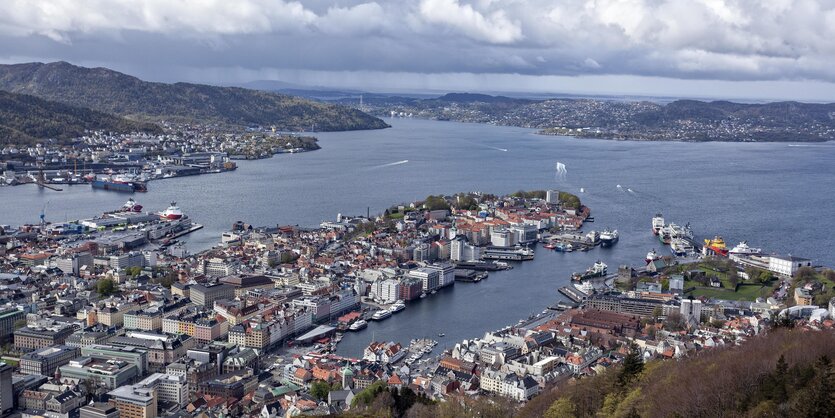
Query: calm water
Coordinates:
[776,196]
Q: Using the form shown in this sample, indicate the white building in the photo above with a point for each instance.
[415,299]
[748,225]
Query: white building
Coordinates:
[170,388]
[552,197]
[389,291]
[691,312]
[787,265]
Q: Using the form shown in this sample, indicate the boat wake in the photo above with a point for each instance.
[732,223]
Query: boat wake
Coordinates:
[497,149]
[391,164]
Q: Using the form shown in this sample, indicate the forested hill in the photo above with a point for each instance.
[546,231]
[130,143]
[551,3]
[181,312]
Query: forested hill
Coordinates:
[25,120]
[110,91]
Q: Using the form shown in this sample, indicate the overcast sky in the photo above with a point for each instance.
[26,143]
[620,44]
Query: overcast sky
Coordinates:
[699,48]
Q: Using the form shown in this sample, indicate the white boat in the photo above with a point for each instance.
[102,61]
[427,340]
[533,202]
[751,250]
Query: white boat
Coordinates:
[657,223]
[681,247]
[609,237]
[422,295]
[381,315]
[397,307]
[743,249]
[358,325]
[652,256]
[172,212]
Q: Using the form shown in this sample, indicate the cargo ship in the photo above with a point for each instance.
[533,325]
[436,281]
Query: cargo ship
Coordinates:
[715,246]
[119,186]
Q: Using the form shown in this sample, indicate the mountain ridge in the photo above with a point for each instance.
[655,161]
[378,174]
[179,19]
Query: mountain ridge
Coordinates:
[110,91]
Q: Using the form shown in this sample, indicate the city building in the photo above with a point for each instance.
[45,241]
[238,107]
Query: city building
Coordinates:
[206,295]
[33,338]
[98,410]
[8,317]
[6,391]
[108,373]
[46,360]
[135,401]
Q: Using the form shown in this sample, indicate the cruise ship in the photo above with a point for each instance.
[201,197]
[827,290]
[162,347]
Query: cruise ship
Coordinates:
[358,325]
[381,315]
[508,253]
[608,238]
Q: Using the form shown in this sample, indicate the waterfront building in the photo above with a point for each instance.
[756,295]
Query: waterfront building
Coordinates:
[45,361]
[430,278]
[787,266]
[631,306]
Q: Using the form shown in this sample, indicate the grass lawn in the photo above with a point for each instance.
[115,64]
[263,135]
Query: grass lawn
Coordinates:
[745,292]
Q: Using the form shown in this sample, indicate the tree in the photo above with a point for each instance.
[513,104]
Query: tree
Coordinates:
[133,271]
[320,389]
[561,408]
[806,274]
[818,400]
[633,365]
[106,287]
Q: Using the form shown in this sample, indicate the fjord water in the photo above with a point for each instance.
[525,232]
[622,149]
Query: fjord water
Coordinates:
[776,196]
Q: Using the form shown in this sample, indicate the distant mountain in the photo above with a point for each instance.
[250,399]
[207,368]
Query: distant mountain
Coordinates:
[26,119]
[679,120]
[113,92]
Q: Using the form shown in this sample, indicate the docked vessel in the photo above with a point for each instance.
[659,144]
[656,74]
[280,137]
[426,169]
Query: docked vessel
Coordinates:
[681,247]
[657,223]
[564,247]
[742,249]
[508,253]
[119,186]
[172,212]
[131,206]
[358,325]
[716,246]
[608,238]
[652,256]
[381,315]
[597,270]
[397,307]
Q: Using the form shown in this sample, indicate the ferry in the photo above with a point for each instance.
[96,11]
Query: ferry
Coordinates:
[597,270]
[172,212]
[657,223]
[564,247]
[397,307]
[652,256]
[716,246]
[609,238]
[358,325]
[381,315]
[508,253]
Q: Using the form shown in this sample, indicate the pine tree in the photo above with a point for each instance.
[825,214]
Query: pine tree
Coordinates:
[820,402]
[633,365]
[779,393]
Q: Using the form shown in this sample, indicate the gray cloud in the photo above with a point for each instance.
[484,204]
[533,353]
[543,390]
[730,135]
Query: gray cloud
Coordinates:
[679,39]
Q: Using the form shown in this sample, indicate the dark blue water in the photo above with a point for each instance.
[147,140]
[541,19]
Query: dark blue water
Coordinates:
[776,196]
